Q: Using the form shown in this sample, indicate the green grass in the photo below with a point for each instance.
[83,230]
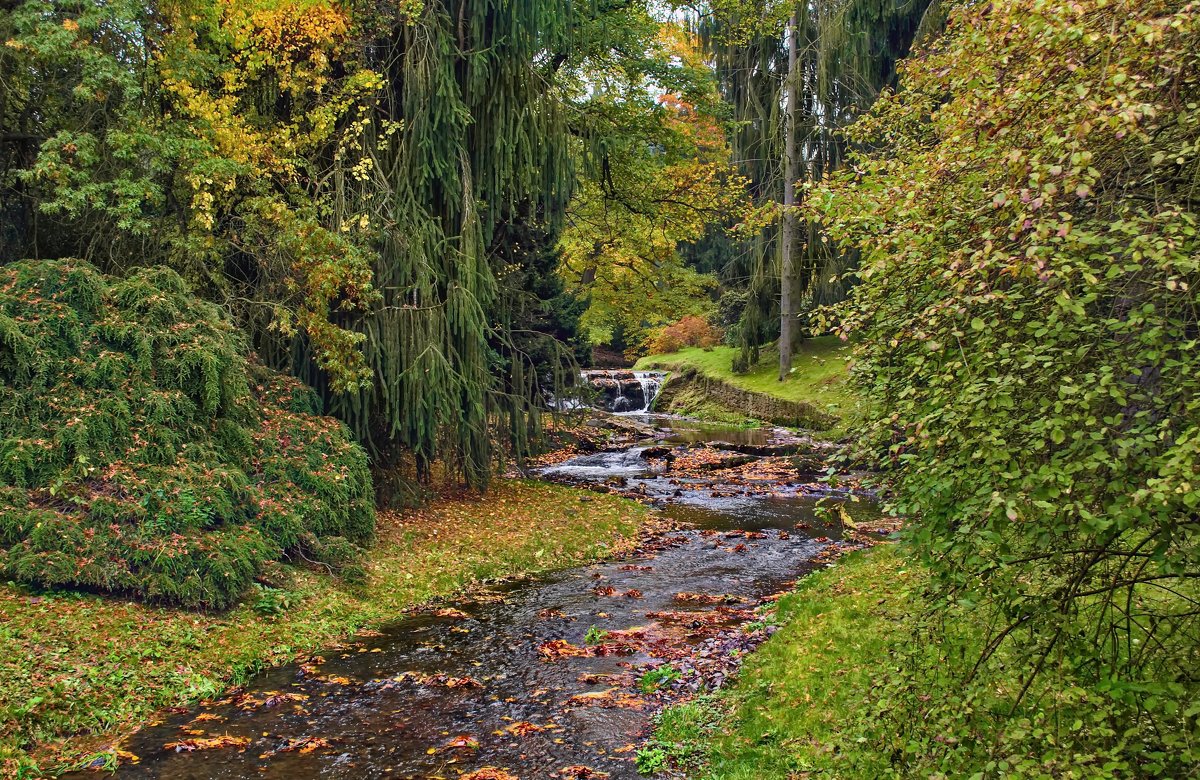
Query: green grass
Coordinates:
[76,669]
[798,693]
[819,373]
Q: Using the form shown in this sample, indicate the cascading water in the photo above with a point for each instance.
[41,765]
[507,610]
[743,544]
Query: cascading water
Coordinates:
[625,391]
[651,382]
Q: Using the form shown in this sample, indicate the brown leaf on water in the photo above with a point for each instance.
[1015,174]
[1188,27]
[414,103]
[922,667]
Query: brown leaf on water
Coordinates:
[523,728]
[463,741]
[608,699]
[633,593]
[561,648]
[125,755]
[579,771]
[302,745]
[207,716]
[463,682]
[605,590]
[451,612]
[489,773]
[707,598]
[209,743]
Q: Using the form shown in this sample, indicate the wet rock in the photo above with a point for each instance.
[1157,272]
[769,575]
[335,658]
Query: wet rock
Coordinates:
[763,450]
[621,425]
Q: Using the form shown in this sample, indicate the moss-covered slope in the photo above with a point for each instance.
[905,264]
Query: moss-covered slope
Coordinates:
[142,452]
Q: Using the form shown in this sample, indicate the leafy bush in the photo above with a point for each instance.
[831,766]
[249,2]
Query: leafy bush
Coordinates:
[656,678]
[594,635]
[691,331]
[1028,321]
[141,452]
[650,760]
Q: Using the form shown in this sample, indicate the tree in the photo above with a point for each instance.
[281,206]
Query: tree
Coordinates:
[787,236]
[339,178]
[845,54]
[659,189]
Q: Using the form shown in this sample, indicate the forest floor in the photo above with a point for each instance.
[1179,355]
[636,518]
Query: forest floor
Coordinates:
[80,669]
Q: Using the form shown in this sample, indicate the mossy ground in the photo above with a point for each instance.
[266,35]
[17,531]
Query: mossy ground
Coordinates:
[78,669]
[820,374]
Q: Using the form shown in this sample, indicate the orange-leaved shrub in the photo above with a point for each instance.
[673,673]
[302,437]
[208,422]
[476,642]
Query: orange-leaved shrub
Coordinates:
[691,331]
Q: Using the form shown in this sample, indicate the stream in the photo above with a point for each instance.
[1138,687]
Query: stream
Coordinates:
[519,679]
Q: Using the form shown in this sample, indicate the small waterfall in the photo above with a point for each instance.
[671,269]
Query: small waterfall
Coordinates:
[625,391]
[651,382]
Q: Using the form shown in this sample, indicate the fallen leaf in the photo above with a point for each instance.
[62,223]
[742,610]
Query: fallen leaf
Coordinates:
[489,773]
[523,728]
[463,682]
[210,743]
[561,648]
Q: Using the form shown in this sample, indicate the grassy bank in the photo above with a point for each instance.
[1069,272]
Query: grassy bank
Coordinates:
[819,375]
[77,669]
[797,697]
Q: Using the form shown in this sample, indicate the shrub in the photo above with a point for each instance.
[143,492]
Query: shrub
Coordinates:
[1026,206]
[142,452]
[691,331]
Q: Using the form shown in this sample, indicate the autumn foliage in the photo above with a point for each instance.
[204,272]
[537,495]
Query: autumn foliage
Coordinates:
[143,452]
[690,331]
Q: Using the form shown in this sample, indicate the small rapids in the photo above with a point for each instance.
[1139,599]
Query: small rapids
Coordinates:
[538,677]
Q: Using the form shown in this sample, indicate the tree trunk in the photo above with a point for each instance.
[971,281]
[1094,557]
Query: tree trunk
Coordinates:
[788,229]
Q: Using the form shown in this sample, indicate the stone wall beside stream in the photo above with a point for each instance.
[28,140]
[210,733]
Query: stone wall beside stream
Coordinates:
[690,383]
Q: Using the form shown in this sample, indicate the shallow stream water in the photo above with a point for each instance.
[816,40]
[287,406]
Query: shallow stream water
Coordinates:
[506,677]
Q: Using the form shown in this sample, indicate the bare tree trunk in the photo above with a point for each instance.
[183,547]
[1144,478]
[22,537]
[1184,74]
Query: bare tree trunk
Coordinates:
[787,235]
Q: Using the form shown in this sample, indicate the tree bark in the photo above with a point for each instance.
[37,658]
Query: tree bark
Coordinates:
[787,236]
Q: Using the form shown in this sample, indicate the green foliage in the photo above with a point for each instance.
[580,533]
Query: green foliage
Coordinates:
[142,453]
[199,134]
[272,602]
[656,678]
[1028,320]
[664,180]
[594,636]
[847,54]
[650,760]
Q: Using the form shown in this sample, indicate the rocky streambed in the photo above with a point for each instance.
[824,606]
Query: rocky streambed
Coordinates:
[555,676]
